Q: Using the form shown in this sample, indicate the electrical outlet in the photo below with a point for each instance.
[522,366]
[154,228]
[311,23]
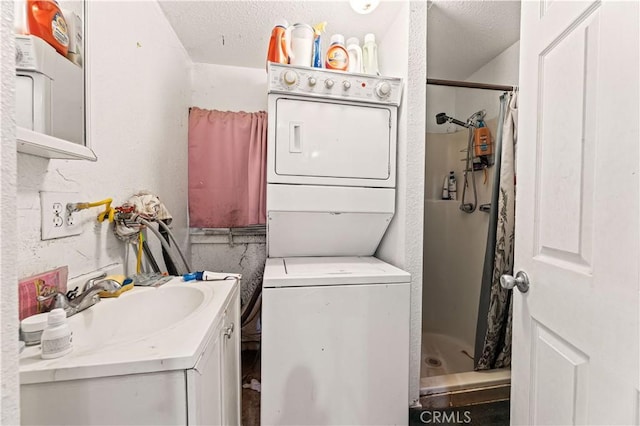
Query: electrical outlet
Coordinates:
[57,221]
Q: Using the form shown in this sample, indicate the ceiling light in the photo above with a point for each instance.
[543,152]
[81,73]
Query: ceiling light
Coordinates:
[364,6]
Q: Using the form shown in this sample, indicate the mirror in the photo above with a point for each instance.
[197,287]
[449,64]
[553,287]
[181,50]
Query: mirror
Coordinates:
[51,78]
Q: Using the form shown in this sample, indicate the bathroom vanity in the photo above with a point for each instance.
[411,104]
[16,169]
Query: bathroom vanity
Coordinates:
[169,355]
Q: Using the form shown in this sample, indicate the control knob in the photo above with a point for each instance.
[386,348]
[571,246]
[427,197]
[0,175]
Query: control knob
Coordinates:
[346,84]
[383,89]
[312,81]
[290,77]
[328,83]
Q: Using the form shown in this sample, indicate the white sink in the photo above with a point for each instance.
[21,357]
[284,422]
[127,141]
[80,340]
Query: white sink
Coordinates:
[150,356]
[145,329]
[134,315]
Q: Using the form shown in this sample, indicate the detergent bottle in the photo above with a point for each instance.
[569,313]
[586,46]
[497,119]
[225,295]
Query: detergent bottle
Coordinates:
[370,55]
[337,56]
[277,45]
[355,55]
[299,40]
[45,20]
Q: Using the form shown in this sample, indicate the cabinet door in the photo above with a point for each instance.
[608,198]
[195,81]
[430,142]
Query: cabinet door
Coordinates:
[204,393]
[230,343]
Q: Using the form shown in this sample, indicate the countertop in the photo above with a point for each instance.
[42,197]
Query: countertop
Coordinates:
[176,346]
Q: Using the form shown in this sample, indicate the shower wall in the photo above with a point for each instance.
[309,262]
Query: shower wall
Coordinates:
[455,242]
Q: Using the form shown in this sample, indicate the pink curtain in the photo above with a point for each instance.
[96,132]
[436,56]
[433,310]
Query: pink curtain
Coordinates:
[227,168]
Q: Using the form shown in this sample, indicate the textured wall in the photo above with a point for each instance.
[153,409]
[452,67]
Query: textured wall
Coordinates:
[402,244]
[229,88]
[139,97]
[9,394]
[246,256]
[240,35]
[503,70]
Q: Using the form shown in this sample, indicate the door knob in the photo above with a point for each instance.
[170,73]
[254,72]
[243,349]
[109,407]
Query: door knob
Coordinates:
[521,281]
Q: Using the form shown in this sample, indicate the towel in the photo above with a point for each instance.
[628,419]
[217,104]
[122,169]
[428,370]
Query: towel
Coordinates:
[150,207]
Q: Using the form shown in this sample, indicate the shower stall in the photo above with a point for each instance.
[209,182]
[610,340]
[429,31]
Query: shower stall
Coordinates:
[456,234]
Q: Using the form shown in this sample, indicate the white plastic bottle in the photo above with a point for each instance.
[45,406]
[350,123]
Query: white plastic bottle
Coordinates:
[56,338]
[445,188]
[453,186]
[355,55]
[370,55]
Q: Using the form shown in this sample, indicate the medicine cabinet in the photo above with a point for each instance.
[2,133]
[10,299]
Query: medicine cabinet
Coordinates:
[41,98]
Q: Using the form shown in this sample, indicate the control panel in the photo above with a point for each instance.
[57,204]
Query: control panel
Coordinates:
[319,82]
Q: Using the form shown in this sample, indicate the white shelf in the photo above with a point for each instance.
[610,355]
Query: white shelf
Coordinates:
[34,143]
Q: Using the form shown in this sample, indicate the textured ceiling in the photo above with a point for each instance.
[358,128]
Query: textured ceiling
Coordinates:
[237,32]
[462,35]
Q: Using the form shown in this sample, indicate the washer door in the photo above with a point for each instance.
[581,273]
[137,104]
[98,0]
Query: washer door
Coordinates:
[334,140]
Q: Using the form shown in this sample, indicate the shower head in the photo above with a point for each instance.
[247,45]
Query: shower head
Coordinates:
[442,118]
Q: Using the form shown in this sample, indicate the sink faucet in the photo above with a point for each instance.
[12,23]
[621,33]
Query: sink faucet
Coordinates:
[84,300]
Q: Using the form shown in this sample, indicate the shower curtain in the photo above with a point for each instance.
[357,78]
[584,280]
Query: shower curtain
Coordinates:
[493,337]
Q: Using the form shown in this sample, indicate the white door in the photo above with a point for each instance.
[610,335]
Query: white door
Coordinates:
[575,343]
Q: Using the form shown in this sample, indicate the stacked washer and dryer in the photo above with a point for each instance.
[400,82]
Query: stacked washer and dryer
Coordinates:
[335,320]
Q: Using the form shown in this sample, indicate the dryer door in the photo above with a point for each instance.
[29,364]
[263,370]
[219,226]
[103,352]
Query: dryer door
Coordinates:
[345,143]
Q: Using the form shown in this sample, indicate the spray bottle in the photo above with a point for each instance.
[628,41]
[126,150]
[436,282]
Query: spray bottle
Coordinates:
[318,29]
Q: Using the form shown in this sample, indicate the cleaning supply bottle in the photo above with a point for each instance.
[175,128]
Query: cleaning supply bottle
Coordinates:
[277,47]
[445,188]
[355,55]
[453,186]
[45,20]
[337,56]
[370,55]
[482,144]
[318,29]
[56,338]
